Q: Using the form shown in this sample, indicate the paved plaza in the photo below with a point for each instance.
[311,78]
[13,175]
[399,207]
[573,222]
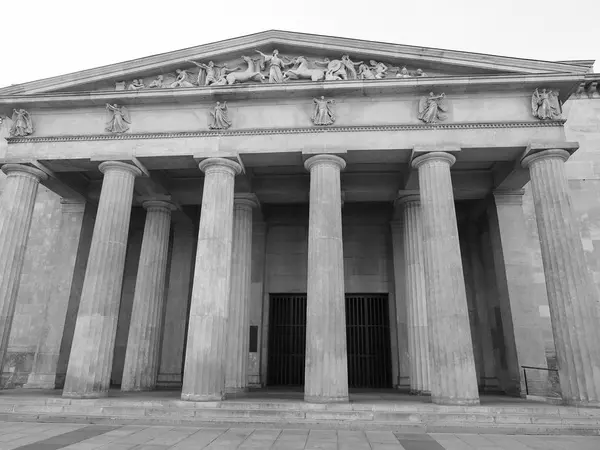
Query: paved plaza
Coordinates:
[48,436]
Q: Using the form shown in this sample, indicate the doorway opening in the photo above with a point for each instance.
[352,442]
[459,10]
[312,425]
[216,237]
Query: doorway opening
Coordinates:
[367,339]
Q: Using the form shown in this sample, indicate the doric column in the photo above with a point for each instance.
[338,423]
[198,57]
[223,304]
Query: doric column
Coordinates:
[177,298]
[236,371]
[397,229]
[204,374]
[572,295]
[326,359]
[16,211]
[415,293]
[90,361]
[45,363]
[143,344]
[452,366]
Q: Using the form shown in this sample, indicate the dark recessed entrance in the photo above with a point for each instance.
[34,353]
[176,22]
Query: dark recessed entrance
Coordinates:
[367,335]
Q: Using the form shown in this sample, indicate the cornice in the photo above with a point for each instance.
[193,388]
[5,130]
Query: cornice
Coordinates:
[358,47]
[277,131]
[451,85]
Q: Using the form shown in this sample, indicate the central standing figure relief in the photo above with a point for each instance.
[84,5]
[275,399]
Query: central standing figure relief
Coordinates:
[323,112]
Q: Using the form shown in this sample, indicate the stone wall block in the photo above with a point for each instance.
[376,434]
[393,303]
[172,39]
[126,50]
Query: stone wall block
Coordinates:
[453,379]
[90,362]
[204,375]
[571,292]
[16,213]
[236,372]
[143,344]
[326,366]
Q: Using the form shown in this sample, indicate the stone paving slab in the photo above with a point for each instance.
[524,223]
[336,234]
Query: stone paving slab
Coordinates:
[37,436]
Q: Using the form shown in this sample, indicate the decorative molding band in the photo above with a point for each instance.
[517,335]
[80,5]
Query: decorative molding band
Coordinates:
[275,131]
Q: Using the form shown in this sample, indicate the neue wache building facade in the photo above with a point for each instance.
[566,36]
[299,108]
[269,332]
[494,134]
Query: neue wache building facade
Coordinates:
[293,210]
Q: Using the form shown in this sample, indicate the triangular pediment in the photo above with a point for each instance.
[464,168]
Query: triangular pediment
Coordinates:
[314,48]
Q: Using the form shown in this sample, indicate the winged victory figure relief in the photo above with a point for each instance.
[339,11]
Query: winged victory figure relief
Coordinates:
[22,124]
[432,108]
[119,120]
[545,105]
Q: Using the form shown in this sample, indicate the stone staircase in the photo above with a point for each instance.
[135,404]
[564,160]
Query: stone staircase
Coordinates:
[520,418]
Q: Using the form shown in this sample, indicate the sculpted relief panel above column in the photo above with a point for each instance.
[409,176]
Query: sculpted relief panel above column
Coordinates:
[271,68]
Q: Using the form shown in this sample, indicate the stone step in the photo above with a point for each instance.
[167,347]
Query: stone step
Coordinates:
[427,417]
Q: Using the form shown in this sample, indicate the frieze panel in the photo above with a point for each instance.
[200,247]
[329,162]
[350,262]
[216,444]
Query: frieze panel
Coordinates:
[273,68]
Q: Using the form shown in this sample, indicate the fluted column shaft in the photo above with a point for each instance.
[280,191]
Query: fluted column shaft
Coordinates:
[16,211]
[45,363]
[143,344]
[415,292]
[236,371]
[571,291]
[90,361]
[452,377]
[204,374]
[326,363]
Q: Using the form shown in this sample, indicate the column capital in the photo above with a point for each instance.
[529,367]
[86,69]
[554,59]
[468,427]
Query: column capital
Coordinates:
[22,169]
[107,166]
[405,199]
[245,200]
[158,204]
[508,197]
[220,165]
[544,154]
[332,160]
[433,156]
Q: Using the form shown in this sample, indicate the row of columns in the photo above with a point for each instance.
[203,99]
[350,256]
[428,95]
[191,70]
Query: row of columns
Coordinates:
[439,335]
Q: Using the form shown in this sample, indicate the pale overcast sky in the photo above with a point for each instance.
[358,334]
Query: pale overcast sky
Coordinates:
[47,38]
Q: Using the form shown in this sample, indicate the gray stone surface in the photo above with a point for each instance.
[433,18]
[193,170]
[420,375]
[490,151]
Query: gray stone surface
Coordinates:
[204,373]
[238,320]
[326,359]
[90,362]
[453,379]
[571,292]
[143,345]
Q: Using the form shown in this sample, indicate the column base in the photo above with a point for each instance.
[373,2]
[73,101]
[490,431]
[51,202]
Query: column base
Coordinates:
[137,389]
[582,403]
[455,401]
[420,393]
[235,390]
[85,395]
[202,397]
[40,381]
[321,399]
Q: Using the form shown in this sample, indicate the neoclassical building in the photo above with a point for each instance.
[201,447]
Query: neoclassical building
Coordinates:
[292,210]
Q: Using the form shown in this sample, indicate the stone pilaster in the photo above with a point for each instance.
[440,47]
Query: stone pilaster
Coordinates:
[326,358]
[572,295]
[415,293]
[204,374]
[236,370]
[404,369]
[90,361]
[45,364]
[514,276]
[16,212]
[143,344]
[452,366]
[178,297]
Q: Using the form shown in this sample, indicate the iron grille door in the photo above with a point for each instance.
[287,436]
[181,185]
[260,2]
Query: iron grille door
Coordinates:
[368,340]
[367,336]
[287,340]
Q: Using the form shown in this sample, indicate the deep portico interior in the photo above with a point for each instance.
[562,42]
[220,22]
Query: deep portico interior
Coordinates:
[335,214]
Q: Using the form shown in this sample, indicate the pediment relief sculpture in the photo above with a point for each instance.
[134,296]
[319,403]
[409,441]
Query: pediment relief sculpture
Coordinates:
[119,119]
[271,68]
[432,108]
[545,105]
[22,124]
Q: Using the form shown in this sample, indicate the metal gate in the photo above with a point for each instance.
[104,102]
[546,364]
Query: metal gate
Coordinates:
[367,336]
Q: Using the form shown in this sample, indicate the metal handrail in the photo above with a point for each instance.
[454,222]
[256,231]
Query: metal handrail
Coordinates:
[534,368]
